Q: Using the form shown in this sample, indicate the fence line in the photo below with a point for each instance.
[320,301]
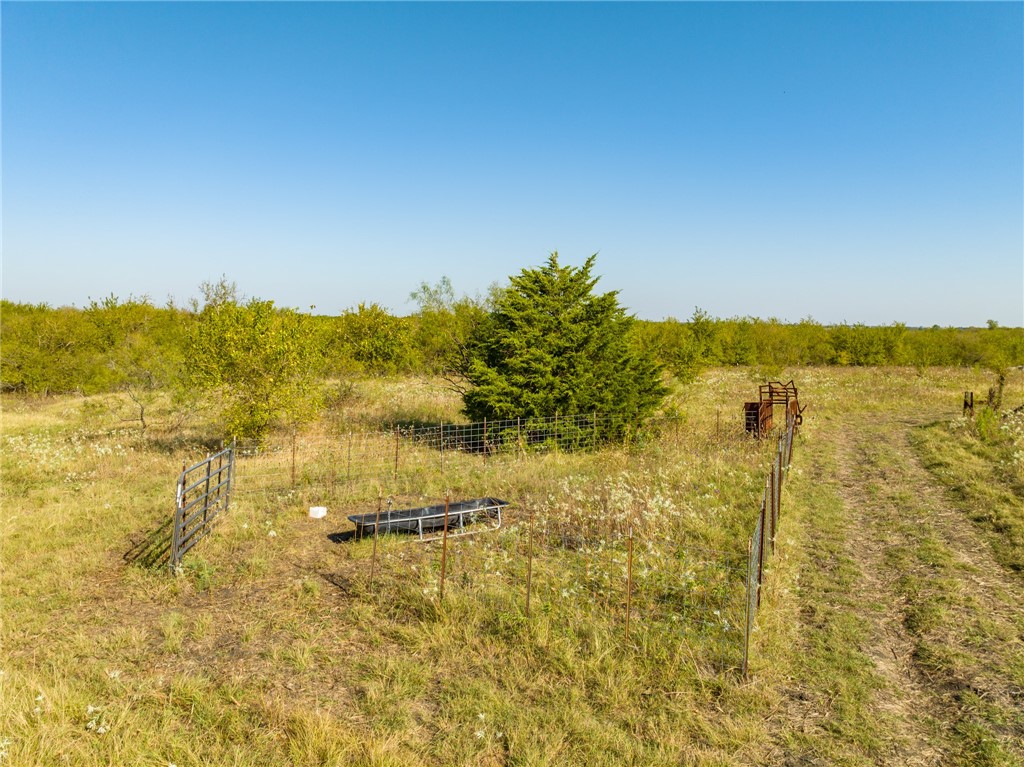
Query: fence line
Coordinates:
[633,585]
[359,460]
[762,542]
[621,564]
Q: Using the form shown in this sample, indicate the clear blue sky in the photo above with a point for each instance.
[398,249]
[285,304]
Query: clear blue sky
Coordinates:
[854,162]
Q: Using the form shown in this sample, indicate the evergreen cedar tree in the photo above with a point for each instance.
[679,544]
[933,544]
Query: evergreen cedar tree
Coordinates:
[551,346]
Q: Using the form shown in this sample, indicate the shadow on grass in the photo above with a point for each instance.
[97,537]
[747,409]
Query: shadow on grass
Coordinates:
[177,444]
[153,549]
[344,583]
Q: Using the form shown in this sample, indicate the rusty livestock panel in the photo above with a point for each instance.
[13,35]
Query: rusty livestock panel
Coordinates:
[750,417]
[778,393]
[764,418]
[758,417]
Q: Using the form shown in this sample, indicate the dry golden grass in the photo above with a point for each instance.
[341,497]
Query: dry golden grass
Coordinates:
[277,649]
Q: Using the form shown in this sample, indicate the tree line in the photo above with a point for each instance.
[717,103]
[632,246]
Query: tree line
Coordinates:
[115,343]
[544,343]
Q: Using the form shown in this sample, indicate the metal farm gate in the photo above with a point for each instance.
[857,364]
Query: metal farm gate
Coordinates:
[203,493]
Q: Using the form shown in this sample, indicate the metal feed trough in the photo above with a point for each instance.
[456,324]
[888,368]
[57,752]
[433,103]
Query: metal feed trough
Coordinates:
[428,522]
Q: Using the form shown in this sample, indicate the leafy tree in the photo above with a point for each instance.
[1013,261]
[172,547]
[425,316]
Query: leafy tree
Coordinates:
[137,351]
[46,350]
[738,342]
[867,345]
[444,326]
[375,340]
[704,330]
[256,358]
[660,338]
[550,346]
[810,343]
[674,346]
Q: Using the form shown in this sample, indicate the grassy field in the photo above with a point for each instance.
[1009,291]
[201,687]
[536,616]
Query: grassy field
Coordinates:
[890,632]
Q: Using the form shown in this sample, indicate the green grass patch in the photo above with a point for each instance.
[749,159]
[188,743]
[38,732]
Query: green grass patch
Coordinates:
[983,468]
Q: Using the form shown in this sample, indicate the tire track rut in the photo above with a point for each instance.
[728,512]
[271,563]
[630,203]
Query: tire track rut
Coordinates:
[894,518]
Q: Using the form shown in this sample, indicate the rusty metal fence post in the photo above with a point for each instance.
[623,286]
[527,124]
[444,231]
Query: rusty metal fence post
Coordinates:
[755,551]
[529,566]
[293,457]
[444,546]
[629,580]
[398,438]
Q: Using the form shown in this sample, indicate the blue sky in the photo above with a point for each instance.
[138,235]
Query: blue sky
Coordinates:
[852,162]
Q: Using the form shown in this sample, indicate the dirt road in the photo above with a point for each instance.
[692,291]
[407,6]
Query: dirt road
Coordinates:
[910,631]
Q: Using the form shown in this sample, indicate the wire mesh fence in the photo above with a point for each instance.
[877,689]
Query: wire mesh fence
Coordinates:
[360,464]
[612,564]
[624,586]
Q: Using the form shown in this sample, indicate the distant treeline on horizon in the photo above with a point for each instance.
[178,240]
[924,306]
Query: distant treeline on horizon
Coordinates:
[98,348]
